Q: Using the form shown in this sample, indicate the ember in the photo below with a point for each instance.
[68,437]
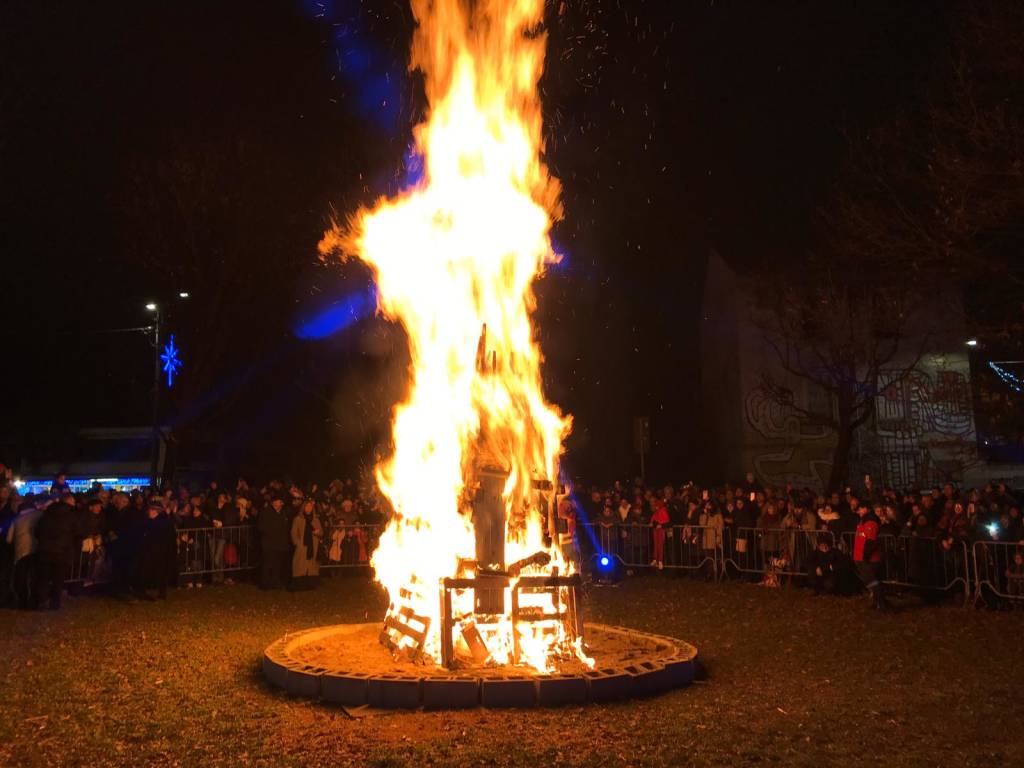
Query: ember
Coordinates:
[467,558]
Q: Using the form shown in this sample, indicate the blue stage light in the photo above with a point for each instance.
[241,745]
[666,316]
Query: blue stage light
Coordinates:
[604,561]
[327,321]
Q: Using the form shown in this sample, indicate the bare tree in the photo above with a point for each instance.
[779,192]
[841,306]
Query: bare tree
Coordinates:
[839,334]
[929,204]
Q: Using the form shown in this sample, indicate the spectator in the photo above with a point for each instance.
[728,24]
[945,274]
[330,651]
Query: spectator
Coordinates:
[157,553]
[193,529]
[22,538]
[769,522]
[93,527]
[821,568]
[8,513]
[659,520]
[274,527]
[867,556]
[607,525]
[216,541]
[59,487]
[306,534]
[56,535]
[955,521]
[711,536]
[8,503]
[799,525]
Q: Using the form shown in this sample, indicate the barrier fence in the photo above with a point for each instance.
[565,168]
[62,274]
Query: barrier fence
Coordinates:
[920,562]
[685,547]
[770,551]
[998,572]
[990,571]
[348,546]
[218,551]
[910,562]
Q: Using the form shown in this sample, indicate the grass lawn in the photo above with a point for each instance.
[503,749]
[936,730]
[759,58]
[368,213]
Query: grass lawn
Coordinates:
[790,679]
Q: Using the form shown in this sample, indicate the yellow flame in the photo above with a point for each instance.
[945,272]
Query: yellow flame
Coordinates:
[456,253]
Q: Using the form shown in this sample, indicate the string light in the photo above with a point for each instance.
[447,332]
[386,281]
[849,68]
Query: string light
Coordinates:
[1008,378]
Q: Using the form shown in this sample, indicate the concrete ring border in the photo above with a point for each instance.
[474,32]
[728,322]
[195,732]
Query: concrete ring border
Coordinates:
[670,665]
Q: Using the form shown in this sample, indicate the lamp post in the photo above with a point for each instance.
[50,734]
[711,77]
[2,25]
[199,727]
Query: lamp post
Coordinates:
[168,355]
[155,443]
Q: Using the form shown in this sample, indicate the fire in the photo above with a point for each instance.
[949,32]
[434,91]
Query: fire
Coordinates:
[454,257]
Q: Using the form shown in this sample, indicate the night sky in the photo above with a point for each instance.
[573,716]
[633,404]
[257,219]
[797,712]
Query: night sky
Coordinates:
[153,147]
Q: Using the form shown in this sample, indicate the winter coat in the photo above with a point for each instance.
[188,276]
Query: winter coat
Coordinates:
[660,515]
[22,534]
[771,538]
[92,524]
[57,531]
[712,534]
[158,551]
[302,563]
[275,529]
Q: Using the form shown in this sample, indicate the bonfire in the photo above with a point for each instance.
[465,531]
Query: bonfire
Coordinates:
[470,558]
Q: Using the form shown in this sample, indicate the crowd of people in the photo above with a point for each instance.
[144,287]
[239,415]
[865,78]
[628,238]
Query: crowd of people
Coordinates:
[762,525]
[281,534]
[140,541]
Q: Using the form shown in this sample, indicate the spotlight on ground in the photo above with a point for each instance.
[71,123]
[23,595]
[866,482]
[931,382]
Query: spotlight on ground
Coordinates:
[607,570]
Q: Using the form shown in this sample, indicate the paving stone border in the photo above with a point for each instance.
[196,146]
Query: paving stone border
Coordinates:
[665,663]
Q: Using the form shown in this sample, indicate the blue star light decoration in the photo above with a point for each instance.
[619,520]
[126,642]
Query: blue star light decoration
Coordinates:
[172,363]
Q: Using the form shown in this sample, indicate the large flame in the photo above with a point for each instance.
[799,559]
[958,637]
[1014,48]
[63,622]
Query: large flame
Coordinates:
[453,255]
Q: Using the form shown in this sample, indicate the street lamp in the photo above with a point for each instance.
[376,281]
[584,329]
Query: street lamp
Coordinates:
[153,307]
[154,451]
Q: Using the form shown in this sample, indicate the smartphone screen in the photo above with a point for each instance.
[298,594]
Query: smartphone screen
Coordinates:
[752,495]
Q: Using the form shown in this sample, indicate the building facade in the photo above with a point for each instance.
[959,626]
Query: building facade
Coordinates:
[921,432]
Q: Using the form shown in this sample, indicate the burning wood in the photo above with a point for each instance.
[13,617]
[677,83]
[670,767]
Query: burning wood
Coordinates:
[536,559]
[454,257]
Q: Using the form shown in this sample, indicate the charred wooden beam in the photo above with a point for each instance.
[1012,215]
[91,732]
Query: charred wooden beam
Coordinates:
[537,558]
[475,642]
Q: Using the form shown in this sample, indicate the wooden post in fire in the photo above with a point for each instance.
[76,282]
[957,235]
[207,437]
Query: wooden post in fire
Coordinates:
[489,527]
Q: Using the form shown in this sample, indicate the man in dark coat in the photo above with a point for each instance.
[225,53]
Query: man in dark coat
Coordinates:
[274,525]
[157,564]
[124,532]
[56,534]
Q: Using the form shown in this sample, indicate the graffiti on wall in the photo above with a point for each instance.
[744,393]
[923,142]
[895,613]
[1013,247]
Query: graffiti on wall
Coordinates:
[923,433]
[924,428]
[797,451]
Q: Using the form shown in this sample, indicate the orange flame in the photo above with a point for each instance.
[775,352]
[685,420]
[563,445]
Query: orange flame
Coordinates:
[454,254]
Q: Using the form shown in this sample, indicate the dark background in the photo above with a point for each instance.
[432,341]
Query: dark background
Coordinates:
[157,147]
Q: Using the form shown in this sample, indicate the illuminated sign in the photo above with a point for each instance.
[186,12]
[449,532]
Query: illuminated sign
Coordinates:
[36,485]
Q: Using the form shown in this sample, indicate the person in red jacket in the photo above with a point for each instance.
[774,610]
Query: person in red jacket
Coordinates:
[659,519]
[867,556]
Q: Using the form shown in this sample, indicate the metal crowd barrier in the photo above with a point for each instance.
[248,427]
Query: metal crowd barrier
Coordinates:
[216,551]
[349,546]
[90,566]
[780,551]
[687,547]
[908,561]
[997,573]
[920,562]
